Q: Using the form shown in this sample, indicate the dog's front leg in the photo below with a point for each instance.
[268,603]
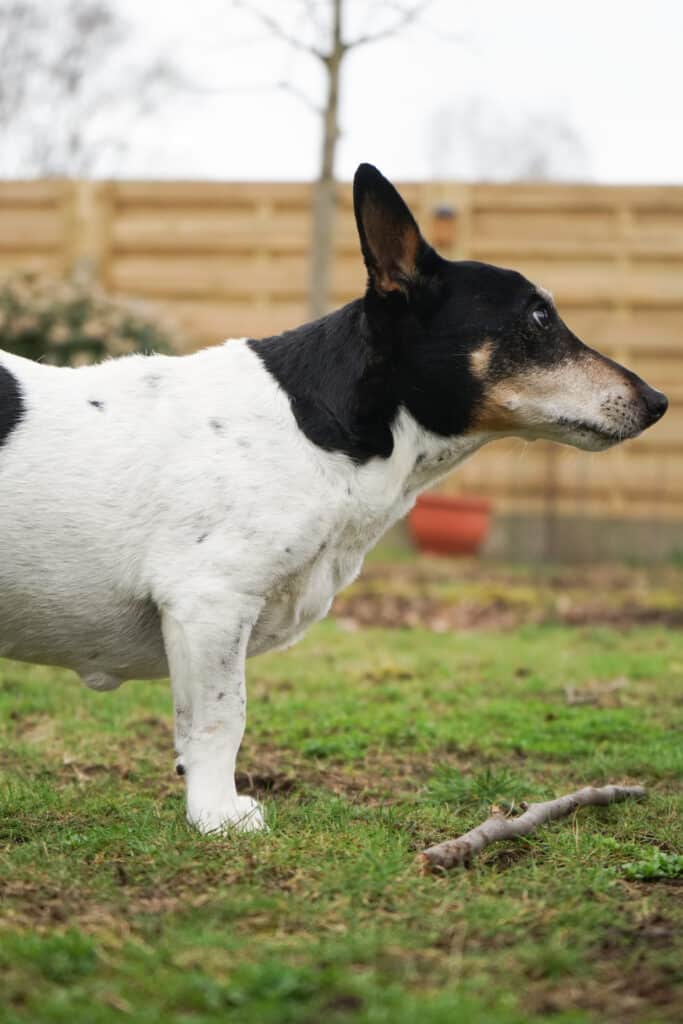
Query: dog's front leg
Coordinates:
[206,642]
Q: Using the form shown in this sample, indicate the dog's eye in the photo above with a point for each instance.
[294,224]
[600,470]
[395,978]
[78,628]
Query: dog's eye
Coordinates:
[542,316]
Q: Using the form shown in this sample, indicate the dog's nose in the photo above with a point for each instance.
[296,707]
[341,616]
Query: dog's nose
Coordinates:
[656,403]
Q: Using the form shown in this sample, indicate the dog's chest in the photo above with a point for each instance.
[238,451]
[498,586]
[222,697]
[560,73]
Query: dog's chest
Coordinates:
[305,596]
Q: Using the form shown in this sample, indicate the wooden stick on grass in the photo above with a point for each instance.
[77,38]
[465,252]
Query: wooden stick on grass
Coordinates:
[461,851]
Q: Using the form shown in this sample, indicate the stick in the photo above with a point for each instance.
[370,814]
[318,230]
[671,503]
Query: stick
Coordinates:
[461,851]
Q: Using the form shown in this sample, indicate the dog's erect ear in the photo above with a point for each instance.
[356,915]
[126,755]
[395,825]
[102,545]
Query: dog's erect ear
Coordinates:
[390,239]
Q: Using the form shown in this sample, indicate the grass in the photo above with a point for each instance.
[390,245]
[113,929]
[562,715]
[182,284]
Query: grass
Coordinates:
[366,747]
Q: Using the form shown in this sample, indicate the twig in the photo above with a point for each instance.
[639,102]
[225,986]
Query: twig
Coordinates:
[278,30]
[406,15]
[461,851]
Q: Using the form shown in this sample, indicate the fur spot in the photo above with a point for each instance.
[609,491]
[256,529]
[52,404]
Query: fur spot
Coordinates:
[180,769]
[96,404]
[202,538]
[11,404]
[217,425]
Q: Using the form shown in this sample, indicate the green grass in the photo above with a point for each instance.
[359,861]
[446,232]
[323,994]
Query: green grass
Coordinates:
[366,747]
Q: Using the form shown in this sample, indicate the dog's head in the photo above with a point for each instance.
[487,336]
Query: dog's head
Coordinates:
[479,349]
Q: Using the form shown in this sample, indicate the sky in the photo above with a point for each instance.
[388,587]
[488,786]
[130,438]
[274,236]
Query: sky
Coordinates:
[610,70]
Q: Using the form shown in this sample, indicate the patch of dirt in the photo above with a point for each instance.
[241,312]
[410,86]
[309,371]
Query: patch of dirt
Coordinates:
[391,611]
[656,932]
[446,595]
[264,783]
[346,1003]
[380,777]
[38,729]
[630,994]
[45,907]
[629,986]
[40,903]
[507,857]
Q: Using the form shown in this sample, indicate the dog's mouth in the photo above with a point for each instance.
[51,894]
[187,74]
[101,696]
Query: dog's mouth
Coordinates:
[591,436]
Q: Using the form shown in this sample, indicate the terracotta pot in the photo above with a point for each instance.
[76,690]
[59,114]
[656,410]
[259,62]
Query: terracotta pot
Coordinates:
[446,525]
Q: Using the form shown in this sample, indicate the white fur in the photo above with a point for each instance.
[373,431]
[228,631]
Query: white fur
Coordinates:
[183,526]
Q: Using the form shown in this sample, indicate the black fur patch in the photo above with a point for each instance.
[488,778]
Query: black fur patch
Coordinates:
[408,343]
[96,404]
[340,388]
[11,404]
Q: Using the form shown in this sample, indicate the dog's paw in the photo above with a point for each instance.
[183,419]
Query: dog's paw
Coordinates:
[242,814]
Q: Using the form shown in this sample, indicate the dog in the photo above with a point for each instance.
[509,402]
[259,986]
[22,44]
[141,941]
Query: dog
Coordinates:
[176,515]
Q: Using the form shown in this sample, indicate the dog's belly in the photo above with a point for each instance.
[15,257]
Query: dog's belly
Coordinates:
[107,641]
[99,640]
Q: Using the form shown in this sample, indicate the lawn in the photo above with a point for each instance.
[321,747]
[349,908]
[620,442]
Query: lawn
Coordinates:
[366,745]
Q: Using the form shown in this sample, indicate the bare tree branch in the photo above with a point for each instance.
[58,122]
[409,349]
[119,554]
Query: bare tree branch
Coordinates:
[312,9]
[252,88]
[277,30]
[407,15]
[460,851]
[303,97]
[55,86]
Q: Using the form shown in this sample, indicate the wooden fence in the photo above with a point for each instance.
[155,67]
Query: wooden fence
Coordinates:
[231,260]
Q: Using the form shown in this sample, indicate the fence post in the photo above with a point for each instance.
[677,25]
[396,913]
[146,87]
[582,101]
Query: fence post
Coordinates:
[87,239]
[456,200]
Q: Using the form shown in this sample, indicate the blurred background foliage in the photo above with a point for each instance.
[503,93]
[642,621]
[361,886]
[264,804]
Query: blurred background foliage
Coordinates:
[74,322]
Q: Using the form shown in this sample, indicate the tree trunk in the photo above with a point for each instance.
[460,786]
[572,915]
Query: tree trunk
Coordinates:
[324,196]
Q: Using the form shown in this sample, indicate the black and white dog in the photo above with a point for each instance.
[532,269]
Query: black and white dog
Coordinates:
[176,515]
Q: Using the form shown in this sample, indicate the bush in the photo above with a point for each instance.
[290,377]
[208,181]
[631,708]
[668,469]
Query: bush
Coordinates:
[73,322]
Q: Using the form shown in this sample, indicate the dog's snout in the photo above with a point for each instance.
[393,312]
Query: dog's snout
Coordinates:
[656,403]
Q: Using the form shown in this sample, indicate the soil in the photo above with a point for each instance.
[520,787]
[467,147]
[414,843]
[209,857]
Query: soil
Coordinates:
[445,595]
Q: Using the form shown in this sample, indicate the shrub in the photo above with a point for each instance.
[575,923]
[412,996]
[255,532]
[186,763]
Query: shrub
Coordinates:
[74,322]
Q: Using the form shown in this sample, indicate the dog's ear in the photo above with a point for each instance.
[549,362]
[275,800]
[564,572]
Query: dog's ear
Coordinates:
[392,246]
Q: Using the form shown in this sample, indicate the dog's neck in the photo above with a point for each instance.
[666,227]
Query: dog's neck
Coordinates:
[426,457]
[344,389]
[341,389]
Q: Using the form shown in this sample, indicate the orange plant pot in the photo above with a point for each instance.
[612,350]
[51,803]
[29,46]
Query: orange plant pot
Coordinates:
[444,525]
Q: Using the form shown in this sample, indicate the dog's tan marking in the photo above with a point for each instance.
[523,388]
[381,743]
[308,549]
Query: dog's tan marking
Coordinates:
[480,359]
[499,412]
[529,399]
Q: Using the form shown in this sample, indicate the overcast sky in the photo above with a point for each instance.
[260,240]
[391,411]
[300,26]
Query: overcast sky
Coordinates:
[611,69]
